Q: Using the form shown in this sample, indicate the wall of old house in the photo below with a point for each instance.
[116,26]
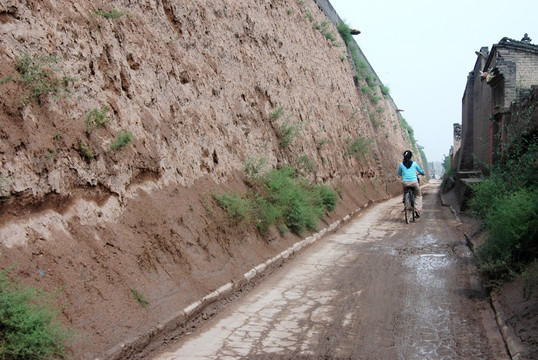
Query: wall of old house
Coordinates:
[499,78]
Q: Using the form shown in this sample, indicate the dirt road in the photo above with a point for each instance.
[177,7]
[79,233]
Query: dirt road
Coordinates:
[376,289]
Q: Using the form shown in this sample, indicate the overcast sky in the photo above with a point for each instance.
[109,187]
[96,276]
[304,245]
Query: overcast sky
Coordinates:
[423,51]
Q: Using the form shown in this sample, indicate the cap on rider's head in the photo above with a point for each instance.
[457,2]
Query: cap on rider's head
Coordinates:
[407,154]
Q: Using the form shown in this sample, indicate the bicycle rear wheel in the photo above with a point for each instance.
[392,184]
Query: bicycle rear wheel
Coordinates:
[408,210]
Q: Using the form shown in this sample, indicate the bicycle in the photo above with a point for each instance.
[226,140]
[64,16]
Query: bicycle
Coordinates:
[409,204]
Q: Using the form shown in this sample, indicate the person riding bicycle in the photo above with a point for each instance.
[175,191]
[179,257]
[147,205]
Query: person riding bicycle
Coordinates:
[408,171]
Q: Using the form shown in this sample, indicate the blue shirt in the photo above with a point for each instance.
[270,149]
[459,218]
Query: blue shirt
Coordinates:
[411,173]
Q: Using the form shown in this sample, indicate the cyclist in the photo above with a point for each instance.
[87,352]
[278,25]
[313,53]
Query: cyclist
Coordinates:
[408,171]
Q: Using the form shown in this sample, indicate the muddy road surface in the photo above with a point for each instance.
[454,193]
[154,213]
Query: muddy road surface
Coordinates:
[376,289]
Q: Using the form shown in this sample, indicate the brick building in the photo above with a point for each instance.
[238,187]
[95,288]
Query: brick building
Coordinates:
[499,78]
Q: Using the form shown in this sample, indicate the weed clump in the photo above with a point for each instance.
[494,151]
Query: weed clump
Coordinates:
[324,29]
[86,151]
[112,14]
[288,131]
[359,146]
[122,140]
[255,166]
[276,114]
[97,118]
[139,297]
[39,74]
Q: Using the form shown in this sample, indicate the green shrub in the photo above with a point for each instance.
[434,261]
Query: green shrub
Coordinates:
[296,199]
[39,75]
[507,201]
[28,325]
[282,198]
[328,197]
[236,207]
[519,162]
[122,140]
[447,166]
[486,194]
[267,214]
[97,118]
[512,244]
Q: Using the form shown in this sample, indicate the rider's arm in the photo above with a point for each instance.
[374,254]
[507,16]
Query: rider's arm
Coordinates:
[420,169]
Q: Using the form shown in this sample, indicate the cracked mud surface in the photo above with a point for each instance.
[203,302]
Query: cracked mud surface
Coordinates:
[376,289]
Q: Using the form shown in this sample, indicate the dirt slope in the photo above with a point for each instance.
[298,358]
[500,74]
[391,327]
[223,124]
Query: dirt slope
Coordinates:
[195,83]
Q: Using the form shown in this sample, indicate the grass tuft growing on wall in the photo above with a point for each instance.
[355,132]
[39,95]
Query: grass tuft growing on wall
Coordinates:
[41,76]
[276,114]
[288,131]
[358,147]
[345,32]
[112,14]
[97,118]
[123,139]
[139,297]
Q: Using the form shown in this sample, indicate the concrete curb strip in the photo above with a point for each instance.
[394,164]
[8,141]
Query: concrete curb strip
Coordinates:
[192,308]
[285,254]
[225,289]
[514,345]
[250,275]
[260,268]
[121,350]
